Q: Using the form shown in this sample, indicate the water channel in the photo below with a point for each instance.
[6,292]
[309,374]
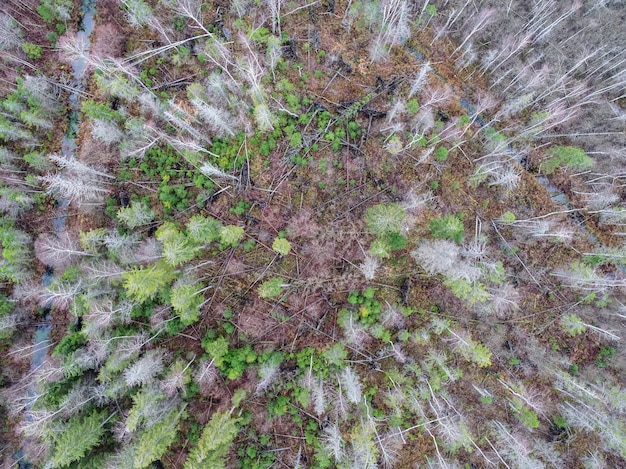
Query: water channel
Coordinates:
[69,147]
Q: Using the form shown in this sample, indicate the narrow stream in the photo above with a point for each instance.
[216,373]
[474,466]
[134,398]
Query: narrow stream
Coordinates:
[69,147]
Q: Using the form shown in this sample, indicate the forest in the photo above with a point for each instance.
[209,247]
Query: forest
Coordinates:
[348,234]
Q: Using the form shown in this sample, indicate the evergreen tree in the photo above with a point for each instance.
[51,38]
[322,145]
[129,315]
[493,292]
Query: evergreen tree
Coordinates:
[144,283]
[76,437]
[177,248]
[214,443]
[153,442]
[186,301]
[137,214]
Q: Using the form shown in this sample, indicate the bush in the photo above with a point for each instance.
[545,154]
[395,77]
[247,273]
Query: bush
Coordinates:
[565,156]
[441,154]
[33,51]
[382,219]
[70,343]
[448,227]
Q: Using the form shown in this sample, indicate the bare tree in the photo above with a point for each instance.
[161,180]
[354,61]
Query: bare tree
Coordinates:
[58,251]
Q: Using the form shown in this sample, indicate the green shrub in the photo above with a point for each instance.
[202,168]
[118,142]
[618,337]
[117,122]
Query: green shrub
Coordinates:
[271,288]
[102,111]
[412,106]
[383,219]
[33,51]
[441,154]
[281,246]
[448,227]
[70,343]
[565,156]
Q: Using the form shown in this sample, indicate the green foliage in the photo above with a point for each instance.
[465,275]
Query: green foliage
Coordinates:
[448,227]
[493,273]
[369,308]
[527,416]
[37,161]
[144,283]
[70,343]
[565,156]
[231,362]
[295,140]
[102,111]
[177,249]
[309,360]
[173,197]
[201,229]
[560,422]
[186,302]
[573,325]
[230,236]
[441,154]
[55,10]
[278,406]
[33,51]
[230,156]
[216,439]
[281,246]
[237,360]
[6,307]
[412,106]
[241,208]
[153,442]
[217,348]
[74,438]
[271,288]
[336,355]
[471,350]
[383,219]
[393,241]
[135,215]
[159,162]
[16,252]
[507,218]
[603,356]
[471,292]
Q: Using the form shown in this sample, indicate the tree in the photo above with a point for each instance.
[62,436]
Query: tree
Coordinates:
[215,116]
[230,235]
[444,257]
[153,442]
[574,326]
[281,246]
[75,188]
[203,230]
[149,407]
[177,248]
[333,441]
[10,33]
[214,443]
[137,214]
[144,370]
[58,251]
[473,351]
[16,253]
[186,301]
[565,156]
[77,436]
[144,283]
[448,227]
[382,219]
[351,385]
